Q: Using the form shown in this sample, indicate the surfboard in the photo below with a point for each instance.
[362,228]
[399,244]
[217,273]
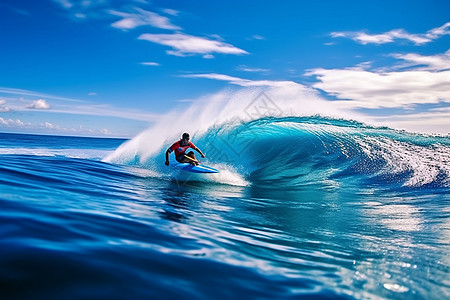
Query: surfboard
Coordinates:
[194,169]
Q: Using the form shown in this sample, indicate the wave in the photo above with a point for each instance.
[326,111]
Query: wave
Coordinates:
[293,152]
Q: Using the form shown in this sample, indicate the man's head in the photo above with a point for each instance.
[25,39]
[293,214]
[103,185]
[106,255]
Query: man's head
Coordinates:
[185,136]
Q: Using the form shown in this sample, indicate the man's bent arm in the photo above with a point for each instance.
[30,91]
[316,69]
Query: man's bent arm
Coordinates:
[167,156]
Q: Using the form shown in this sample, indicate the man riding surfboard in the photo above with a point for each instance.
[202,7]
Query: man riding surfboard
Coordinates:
[180,147]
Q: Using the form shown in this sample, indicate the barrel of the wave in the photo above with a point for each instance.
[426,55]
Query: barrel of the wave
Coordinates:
[187,167]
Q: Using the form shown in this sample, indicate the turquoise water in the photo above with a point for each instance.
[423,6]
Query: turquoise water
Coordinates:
[303,208]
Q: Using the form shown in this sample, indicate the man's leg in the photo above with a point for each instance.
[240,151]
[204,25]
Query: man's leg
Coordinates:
[192,155]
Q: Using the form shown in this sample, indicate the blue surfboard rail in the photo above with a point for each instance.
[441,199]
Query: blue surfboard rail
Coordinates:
[194,169]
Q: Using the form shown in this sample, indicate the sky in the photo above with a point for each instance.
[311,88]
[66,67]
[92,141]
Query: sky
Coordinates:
[113,68]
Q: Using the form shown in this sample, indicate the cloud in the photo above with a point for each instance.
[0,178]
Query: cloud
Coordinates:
[171,12]
[108,111]
[246,82]
[152,64]
[438,62]
[21,92]
[215,76]
[84,9]
[397,34]
[434,120]
[184,44]
[369,89]
[39,104]
[65,3]
[181,44]
[248,69]
[74,106]
[106,131]
[2,107]
[256,37]
[419,80]
[49,125]
[11,122]
[142,18]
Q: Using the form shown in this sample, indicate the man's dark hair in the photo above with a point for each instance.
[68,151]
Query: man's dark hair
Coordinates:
[186,135]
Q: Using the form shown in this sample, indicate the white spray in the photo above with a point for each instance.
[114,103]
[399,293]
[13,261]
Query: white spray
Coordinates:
[250,103]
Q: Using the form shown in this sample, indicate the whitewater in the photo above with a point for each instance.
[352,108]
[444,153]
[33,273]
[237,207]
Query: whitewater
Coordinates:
[311,202]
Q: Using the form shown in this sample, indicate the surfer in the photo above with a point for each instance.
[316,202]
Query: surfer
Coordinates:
[180,148]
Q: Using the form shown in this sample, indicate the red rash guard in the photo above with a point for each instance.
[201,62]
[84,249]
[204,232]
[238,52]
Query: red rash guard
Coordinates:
[180,150]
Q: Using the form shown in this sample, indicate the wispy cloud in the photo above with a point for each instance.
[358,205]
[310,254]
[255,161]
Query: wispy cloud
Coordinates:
[256,37]
[253,70]
[439,62]
[396,34]
[132,17]
[150,63]
[84,9]
[247,82]
[67,4]
[21,92]
[12,8]
[142,17]
[103,110]
[171,12]
[184,44]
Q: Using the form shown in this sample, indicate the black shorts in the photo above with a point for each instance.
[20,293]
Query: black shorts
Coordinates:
[179,158]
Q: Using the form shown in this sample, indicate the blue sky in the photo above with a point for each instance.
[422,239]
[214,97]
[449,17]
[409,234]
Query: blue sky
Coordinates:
[113,68]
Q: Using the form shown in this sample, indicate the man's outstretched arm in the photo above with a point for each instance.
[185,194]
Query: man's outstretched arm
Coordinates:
[199,151]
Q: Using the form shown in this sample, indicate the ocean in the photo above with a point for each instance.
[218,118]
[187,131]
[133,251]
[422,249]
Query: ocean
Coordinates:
[303,208]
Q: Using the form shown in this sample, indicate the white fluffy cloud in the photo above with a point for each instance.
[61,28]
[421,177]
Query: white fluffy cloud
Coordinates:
[39,104]
[397,34]
[184,44]
[49,125]
[419,80]
[366,89]
[2,107]
[14,123]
